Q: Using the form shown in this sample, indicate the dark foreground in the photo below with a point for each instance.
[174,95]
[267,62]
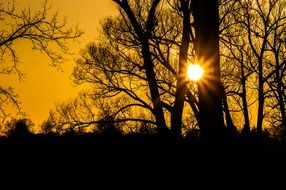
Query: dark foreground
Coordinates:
[140,162]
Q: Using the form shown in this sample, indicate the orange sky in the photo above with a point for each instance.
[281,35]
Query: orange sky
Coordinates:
[45,85]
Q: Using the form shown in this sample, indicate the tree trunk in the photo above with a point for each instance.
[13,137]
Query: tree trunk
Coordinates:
[282,110]
[230,126]
[246,127]
[177,112]
[144,36]
[260,115]
[260,110]
[207,53]
[280,89]
[154,91]
[281,102]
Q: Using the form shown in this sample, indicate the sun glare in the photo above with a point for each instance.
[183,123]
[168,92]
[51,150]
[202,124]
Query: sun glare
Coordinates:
[195,72]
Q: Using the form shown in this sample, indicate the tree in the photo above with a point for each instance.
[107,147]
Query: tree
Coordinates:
[7,97]
[181,89]
[126,71]
[179,33]
[85,115]
[46,33]
[143,35]
[256,48]
[206,24]
[116,66]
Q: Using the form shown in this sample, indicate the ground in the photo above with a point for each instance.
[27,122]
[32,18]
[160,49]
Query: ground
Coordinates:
[139,162]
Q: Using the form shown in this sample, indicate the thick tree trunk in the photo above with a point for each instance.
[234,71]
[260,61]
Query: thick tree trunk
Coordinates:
[177,112]
[207,52]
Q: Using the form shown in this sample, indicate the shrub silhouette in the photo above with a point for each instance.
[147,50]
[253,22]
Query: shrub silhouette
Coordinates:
[19,127]
[108,127]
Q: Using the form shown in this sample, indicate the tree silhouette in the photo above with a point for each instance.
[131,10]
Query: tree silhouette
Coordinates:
[206,18]
[180,33]
[83,115]
[123,66]
[7,97]
[171,47]
[256,49]
[43,31]
[143,35]
[177,109]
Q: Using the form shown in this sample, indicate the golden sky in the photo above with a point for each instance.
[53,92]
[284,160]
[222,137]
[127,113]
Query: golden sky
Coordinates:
[45,85]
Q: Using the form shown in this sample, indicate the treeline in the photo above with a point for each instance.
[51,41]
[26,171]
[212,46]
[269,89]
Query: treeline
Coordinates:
[108,159]
[136,72]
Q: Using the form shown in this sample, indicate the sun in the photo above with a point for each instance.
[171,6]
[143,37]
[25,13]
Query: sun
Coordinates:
[195,72]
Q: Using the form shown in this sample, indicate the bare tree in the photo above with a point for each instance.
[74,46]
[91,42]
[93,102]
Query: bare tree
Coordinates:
[85,114]
[7,97]
[143,35]
[116,67]
[124,69]
[256,47]
[46,33]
